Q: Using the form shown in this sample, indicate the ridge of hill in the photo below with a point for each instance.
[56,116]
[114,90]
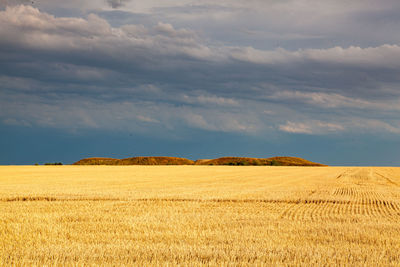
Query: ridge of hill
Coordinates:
[135,161]
[274,161]
[155,161]
[97,161]
[234,161]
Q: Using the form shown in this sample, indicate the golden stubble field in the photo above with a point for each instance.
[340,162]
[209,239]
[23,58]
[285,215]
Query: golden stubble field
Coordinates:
[199,215]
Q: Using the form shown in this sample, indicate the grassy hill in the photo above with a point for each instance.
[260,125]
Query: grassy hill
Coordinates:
[97,161]
[155,161]
[136,161]
[234,161]
[274,161]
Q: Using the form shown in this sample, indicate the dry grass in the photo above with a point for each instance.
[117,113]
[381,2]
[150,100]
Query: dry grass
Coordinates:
[194,215]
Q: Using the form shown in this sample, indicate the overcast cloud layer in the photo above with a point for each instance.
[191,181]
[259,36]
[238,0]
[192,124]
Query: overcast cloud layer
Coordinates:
[161,68]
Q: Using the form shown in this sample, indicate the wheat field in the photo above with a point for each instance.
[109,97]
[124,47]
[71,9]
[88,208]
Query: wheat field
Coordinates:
[199,215]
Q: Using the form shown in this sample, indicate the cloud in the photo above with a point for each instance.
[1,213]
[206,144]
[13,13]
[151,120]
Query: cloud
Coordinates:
[386,56]
[292,127]
[73,72]
[117,3]
[71,113]
[377,125]
[29,28]
[310,127]
[290,24]
[4,3]
[15,122]
[210,100]
[146,119]
[76,33]
[325,100]
[220,122]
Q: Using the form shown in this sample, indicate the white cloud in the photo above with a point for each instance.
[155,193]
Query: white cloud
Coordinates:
[27,27]
[325,100]
[384,56]
[310,127]
[146,119]
[210,100]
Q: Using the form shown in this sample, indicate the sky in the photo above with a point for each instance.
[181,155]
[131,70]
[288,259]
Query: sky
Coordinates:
[258,78]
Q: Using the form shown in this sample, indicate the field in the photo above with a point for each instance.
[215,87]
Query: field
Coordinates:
[199,215]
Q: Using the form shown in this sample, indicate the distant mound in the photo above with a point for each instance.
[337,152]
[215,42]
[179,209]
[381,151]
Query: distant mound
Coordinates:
[275,161]
[136,161]
[234,161]
[155,161]
[97,161]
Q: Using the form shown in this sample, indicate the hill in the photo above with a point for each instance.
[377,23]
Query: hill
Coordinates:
[234,161]
[135,161]
[97,161]
[274,161]
[155,161]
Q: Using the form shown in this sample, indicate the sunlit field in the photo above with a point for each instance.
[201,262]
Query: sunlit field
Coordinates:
[199,215]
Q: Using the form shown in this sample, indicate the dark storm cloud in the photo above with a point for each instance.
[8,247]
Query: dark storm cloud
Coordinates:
[84,73]
[117,3]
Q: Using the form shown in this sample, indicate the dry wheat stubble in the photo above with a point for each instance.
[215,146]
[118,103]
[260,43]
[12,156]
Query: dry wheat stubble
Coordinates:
[212,215]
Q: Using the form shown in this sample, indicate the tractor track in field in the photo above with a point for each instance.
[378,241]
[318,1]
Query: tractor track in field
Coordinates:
[357,194]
